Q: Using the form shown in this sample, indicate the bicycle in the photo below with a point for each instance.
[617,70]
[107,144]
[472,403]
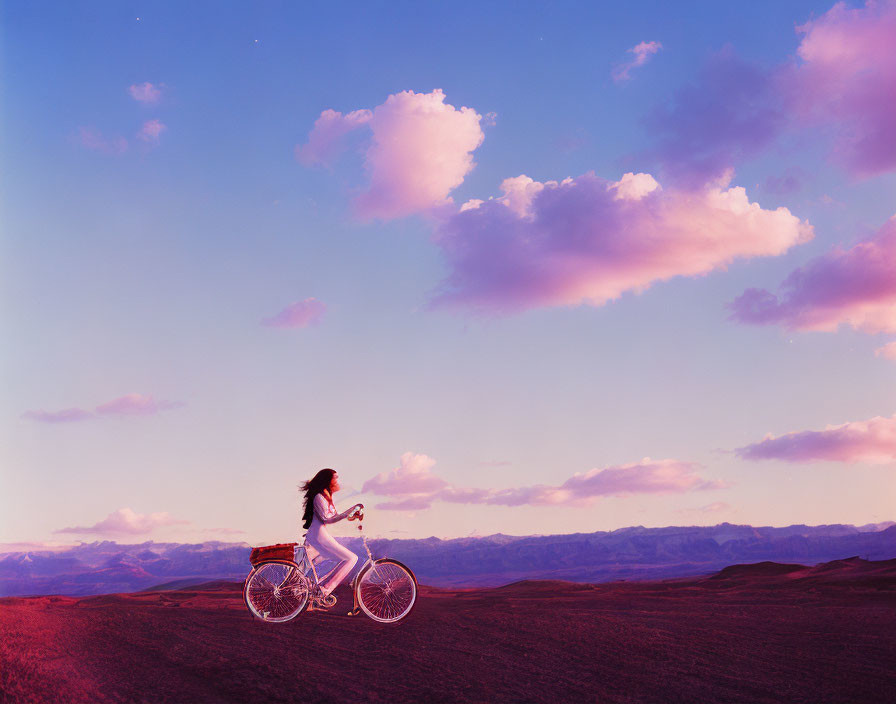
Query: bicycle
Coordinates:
[284,580]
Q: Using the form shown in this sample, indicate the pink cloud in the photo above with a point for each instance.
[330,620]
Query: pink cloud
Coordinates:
[713,508]
[848,77]
[457,495]
[298,315]
[124,521]
[645,477]
[415,486]
[129,405]
[855,287]
[888,351]
[729,113]
[421,148]
[325,141]
[68,415]
[413,475]
[136,405]
[872,441]
[786,184]
[95,141]
[146,92]
[151,131]
[412,503]
[642,53]
[538,495]
[842,76]
[588,240]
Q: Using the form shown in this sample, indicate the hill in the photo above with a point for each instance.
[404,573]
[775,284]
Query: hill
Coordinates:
[755,634]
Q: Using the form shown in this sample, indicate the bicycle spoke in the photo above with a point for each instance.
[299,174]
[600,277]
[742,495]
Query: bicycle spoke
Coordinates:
[387,592]
[288,574]
[276,592]
[261,582]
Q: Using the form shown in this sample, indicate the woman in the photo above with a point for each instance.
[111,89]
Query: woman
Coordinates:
[320,512]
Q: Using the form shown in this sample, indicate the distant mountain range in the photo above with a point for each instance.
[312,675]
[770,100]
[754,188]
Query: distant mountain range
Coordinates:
[636,553]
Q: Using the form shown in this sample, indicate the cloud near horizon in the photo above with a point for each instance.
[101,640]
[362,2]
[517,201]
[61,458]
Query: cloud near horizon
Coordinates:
[224,531]
[855,287]
[888,351]
[125,521]
[588,240]
[127,405]
[642,53]
[67,415]
[413,486]
[871,441]
[707,509]
[420,150]
[300,314]
[136,405]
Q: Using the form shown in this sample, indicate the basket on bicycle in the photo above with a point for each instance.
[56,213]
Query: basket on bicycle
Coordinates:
[280,551]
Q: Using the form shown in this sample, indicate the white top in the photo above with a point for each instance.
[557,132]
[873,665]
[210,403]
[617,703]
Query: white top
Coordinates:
[323,510]
[324,513]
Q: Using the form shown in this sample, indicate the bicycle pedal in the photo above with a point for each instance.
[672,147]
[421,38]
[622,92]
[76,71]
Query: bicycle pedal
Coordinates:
[324,602]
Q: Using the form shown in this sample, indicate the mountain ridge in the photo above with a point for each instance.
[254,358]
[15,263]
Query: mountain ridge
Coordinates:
[630,553]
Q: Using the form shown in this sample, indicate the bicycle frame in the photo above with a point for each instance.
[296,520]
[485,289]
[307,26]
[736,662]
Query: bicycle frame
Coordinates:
[304,559]
[383,588]
[370,561]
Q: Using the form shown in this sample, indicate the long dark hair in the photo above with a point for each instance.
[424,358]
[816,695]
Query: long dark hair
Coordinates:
[312,488]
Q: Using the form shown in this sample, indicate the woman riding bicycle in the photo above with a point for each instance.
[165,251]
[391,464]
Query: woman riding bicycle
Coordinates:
[319,511]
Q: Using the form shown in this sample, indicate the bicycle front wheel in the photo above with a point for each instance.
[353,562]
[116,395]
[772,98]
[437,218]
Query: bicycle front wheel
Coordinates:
[386,591]
[276,591]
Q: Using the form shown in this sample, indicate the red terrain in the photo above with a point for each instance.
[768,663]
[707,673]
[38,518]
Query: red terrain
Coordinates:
[752,633]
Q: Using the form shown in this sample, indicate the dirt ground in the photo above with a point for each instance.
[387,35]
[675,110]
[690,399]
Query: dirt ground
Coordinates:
[748,637]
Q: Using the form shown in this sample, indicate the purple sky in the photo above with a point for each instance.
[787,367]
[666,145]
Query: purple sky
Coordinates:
[591,268]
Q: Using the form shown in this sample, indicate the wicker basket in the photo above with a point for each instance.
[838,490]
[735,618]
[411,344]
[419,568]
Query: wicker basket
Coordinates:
[280,551]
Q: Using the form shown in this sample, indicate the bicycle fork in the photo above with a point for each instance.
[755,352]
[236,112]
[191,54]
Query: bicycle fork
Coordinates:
[371,562]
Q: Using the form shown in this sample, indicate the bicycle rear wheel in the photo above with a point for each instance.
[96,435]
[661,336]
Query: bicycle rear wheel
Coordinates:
[276,591]
[386,591]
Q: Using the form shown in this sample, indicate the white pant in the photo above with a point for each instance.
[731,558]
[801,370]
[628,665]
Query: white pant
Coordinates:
[326,545]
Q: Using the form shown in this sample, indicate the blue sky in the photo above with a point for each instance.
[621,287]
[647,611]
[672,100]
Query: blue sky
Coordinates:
[149,272]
